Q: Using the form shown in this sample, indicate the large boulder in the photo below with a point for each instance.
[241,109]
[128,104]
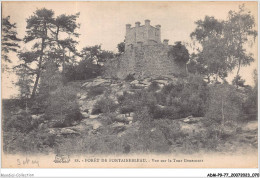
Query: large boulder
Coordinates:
[94,123]
[97,82]
[86,107]
[62,131]
[164,82]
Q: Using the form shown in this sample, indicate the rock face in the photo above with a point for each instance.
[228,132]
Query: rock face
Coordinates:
[121,124]
[97,82]
[116,123]
[62,131]
[113,89]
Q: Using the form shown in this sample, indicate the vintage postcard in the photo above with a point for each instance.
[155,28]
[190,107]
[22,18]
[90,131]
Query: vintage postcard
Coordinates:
[129,84]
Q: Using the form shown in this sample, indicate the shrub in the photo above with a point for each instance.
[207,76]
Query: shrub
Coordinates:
[104,105]
[127,103]
[185,97]
[126,109]
[238,81]
[166,112]
[96,110]
[63,107]
[225,104]
[21,122]
[250,104]
[174,89]
[130,77]
[154,86]
[156,136]
[95,91]
[33,142]
[108,118]
[84,70]
[121,98]
[181,99]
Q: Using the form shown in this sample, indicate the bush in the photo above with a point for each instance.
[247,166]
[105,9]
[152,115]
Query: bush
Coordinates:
[104,105]
[96,110]
[173,89]
[154,86]
[156,136]
[84,70]
[21,122]
[63,107]
[127,109]
[184,98]
[95,91]
[177,100]
[167,112]
[224,105]
[130,77]
[238,81]
[33,142]
[108,118]
[127,103]
[250,105]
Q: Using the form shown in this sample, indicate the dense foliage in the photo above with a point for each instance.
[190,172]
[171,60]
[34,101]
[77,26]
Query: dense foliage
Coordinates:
[179,53]
[9,38]
[222,44]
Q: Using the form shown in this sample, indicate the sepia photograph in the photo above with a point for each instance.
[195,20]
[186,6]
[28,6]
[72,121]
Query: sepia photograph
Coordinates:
[129,84]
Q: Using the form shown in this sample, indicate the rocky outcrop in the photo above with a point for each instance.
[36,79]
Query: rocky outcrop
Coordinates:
[113,89]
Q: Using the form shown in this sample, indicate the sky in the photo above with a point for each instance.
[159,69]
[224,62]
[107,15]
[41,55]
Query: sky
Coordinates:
[104,23]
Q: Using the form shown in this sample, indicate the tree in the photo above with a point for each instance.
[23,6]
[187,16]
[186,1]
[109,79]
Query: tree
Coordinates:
[250,105]
[207,29]
[37,27]
[238,31]
[87,69]
[24,83]
[25,74]
[238,81]
[121,47]
[211,57]
[49,82]
[223,44]
[9,38]
[105,55]
[224,105]
[65,25]
[197,65]
[95,54]
[53,38]
[179,53]
[93,59]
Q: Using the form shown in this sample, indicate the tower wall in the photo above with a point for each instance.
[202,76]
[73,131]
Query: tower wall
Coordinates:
[147,61]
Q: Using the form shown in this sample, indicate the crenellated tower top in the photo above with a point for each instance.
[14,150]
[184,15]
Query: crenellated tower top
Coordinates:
[140,35]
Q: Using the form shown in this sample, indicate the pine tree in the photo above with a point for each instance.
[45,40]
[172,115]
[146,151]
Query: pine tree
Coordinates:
[38,26]
[9,40]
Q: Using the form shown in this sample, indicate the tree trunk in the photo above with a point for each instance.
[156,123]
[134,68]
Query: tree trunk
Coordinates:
[186,69]
[222,111]
[35,86]
[38,72]
[40,63]
[63,67]
[239,63]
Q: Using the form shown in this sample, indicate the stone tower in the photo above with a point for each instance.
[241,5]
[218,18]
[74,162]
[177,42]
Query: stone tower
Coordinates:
[141,35]
[145,55]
